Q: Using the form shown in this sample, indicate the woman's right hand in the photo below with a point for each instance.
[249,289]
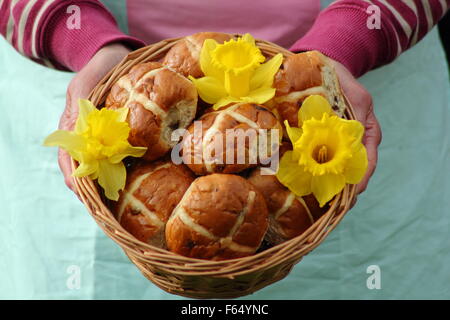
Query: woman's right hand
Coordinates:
[79,88]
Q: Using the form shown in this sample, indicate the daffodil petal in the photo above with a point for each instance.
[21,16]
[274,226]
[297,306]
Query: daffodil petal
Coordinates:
[314,107]
[325,187]
[263,75]
[260,96]
[122,114]
[85,169]
[85,107]
[94,175]
[353,128]
[293,176]
[64,139]
[67,140]
[104,125]
[206,64]
[209,89]
[294,133]
[237,84]
[248,38]
[356,166]
[130,151]
[224,101]
[112,177]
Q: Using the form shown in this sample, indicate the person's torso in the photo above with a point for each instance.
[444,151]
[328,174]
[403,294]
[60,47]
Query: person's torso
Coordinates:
[282,21]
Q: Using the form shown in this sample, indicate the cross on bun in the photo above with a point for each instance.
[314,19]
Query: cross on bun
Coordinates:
[151,193]
[159,100]
[289,215]
[221,216]
[300,76]
[209,150]
[184,57]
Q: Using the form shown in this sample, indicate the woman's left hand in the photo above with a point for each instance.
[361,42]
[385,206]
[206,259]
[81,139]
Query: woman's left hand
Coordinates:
[362,103]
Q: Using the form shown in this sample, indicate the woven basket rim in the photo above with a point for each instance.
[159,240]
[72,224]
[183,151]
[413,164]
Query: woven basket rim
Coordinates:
[158,264]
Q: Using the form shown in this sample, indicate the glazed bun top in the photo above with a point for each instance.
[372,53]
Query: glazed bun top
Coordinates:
[158,185]
[207,155]
[217,202]
[184,57]
[160,101]
[289,215]
[151,193]
[299,72]
[221,216]
[153,84]
[304,74]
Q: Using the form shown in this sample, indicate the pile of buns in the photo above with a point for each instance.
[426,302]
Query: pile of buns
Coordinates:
[210,210]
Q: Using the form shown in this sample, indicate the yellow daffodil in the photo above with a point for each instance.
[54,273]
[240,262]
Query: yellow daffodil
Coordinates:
[234,73]
[99,143]
[327,152]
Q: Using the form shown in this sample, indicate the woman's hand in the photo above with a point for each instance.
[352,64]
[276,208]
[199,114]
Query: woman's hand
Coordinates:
[79,88]
[362,103]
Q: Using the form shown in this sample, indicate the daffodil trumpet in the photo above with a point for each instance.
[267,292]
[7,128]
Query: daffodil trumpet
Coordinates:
[234,72]
[327,154]
[99,143]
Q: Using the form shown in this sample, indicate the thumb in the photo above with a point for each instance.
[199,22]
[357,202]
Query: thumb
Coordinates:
[372,140]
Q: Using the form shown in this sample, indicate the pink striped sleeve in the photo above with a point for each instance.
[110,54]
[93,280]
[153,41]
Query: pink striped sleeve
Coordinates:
[42,31]
[347,30]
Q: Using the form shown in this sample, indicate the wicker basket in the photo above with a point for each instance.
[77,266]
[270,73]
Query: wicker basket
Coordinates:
[196,278]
